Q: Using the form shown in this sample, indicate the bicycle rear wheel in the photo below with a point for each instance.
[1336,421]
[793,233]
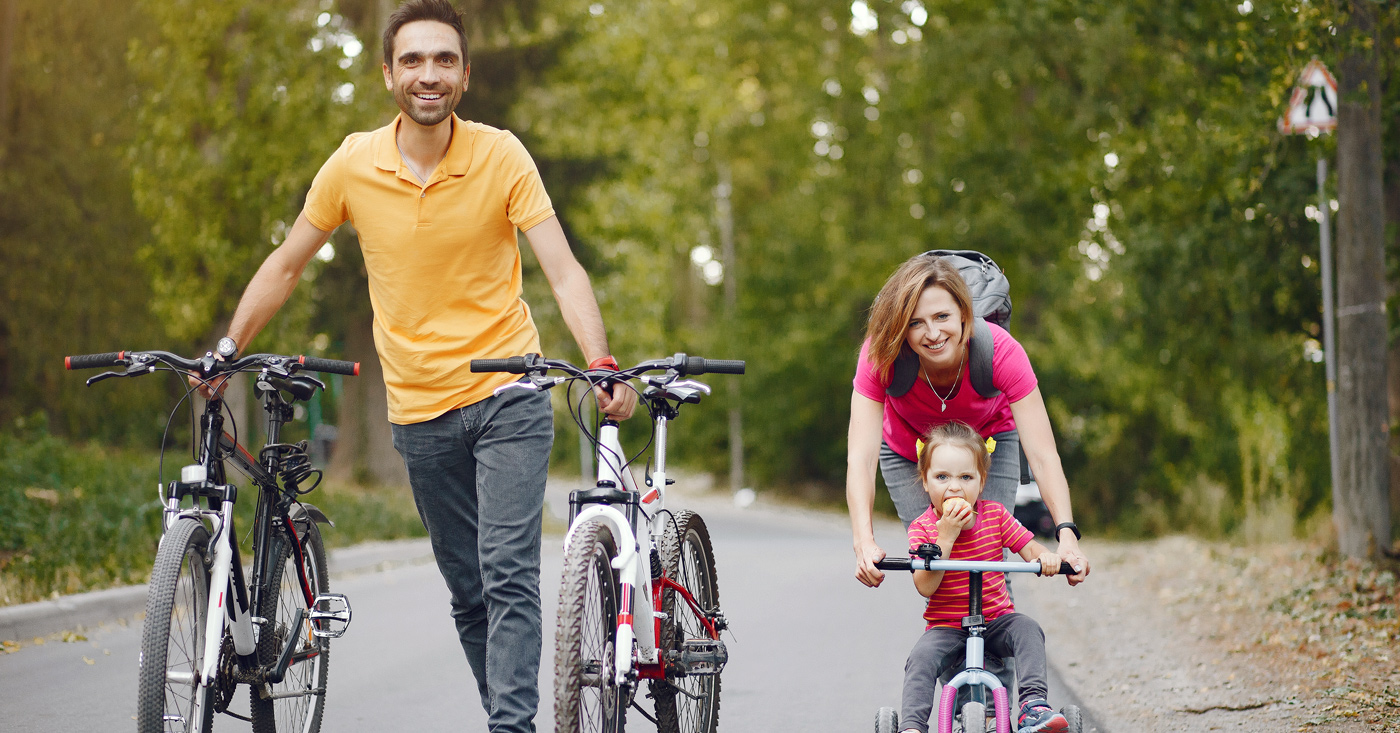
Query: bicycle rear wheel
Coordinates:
[298,701]
[687,703]
[168,696]
[586,696]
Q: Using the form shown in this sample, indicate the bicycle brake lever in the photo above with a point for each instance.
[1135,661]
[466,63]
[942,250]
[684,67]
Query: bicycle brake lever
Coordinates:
[535,384]
[134,371]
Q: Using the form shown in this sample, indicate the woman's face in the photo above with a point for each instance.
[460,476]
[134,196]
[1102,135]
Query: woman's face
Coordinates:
[935,329]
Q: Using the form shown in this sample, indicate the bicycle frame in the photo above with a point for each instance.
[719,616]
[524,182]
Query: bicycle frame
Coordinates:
[637,618]
[231,606]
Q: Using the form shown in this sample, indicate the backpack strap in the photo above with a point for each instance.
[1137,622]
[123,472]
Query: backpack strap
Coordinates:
[904,372]
[979,361]
[906,366]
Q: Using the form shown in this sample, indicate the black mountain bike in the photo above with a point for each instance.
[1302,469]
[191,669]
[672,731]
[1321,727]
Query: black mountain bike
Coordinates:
[209,628]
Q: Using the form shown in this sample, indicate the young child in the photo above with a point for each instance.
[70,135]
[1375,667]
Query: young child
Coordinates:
[953,462]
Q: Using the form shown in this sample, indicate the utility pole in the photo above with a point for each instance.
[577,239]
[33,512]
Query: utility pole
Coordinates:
[724,215]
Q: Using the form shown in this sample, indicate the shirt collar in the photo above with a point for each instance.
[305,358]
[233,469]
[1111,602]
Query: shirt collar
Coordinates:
[459,152]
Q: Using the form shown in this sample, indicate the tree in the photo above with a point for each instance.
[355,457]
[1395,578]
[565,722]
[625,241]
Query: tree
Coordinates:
[1361,503]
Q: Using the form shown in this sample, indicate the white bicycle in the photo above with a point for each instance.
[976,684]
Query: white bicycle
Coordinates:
[639,600]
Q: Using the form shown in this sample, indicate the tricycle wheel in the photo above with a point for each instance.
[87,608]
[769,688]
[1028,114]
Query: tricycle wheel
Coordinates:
[1075,718]
[887,721]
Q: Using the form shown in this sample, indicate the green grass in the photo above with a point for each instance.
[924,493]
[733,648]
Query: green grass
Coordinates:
[77,518]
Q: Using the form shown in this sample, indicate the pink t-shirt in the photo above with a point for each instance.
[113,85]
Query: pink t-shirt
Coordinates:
[992,529]
[910,416]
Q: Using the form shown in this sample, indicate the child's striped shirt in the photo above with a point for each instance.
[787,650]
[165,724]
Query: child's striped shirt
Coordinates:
[993,529]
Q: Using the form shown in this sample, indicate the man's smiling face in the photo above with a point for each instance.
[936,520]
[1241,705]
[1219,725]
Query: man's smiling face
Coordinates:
[429,74]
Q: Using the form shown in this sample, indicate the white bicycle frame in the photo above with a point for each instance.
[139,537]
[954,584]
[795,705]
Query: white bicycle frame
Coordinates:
[635,617]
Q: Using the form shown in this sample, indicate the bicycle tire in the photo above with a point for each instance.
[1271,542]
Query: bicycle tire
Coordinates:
[1074,717]
[307,672]
[172,636]
[689,559]
[887,721]
[974,718]
[586,697]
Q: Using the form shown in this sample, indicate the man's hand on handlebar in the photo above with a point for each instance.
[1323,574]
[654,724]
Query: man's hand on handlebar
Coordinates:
[618,401]
[867,554]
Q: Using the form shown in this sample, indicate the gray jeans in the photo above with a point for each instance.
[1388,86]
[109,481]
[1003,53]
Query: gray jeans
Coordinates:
[478,476]
[907,488]
[939,648]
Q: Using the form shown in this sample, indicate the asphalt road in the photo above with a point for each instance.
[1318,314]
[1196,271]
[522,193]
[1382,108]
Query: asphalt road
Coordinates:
[810,648]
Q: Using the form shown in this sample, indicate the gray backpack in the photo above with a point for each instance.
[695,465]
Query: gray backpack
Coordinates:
[991,301]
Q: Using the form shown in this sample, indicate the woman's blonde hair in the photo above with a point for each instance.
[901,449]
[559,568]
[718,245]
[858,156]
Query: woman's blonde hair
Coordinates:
[959,435]
[894,306]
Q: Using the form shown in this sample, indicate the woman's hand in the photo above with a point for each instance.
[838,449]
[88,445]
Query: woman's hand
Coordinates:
[1069,551]
[867,554]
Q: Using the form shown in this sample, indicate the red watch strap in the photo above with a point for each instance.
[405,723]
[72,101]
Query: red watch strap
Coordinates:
[604,362]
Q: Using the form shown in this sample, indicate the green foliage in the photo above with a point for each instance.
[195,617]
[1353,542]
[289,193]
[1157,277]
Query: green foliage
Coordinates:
[242,103]
[86,517]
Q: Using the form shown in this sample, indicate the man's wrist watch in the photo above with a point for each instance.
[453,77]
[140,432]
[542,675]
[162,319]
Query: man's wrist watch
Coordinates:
[604,362]
[227,348]
[1072,527]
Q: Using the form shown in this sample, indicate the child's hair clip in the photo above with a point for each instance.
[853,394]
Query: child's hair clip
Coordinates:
[991,445]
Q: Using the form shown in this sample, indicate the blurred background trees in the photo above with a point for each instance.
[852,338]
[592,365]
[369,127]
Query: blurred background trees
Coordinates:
[1119,159]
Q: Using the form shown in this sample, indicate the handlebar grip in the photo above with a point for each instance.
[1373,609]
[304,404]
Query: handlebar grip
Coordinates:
[514,365]
[94,361]
[330,366]
[1066,568]
[695,365]
[893,563]
[724,366]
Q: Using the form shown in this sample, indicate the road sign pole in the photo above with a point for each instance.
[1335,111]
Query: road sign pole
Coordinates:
[1329,335]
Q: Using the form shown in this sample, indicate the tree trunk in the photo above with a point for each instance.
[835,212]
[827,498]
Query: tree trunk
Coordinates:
[1361,503]
[364,449]
[8,19]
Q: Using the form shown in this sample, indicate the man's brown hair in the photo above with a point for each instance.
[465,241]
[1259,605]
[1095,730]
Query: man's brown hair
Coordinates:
[412,11]
[894,306]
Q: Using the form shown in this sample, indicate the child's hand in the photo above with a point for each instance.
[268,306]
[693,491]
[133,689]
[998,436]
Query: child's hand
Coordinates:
[1049,564]
[957,516]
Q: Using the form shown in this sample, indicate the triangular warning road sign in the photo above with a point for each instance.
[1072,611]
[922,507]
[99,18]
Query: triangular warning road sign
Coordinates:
[1312,109]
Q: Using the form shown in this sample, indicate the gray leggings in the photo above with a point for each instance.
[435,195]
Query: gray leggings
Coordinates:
[907,488]
[940,648]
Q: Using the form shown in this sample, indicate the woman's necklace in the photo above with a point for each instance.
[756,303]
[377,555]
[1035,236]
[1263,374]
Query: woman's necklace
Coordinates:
[943,401]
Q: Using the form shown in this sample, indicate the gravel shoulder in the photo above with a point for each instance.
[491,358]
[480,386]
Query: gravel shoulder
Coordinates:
[1178,634]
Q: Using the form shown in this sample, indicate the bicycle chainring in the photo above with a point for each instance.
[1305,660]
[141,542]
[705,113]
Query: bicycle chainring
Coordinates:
[225,680]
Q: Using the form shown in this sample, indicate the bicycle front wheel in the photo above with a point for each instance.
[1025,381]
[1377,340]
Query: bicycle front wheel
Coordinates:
[169,697]
[586,695]
[687,703]
[295,704]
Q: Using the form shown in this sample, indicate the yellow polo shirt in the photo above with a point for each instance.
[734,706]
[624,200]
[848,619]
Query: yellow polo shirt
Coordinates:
[442,258]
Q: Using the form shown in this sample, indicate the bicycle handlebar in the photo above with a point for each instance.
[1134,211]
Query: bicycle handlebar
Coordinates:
[682,364]
[918,563]
[208,364]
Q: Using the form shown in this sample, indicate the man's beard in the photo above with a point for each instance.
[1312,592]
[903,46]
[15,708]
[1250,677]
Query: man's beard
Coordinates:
[426,118]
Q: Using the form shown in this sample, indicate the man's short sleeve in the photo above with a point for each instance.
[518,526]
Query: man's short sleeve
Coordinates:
[326,205]
[527,203]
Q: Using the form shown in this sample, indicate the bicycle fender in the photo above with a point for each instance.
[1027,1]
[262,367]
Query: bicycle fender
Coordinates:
[309,511]
[622,532]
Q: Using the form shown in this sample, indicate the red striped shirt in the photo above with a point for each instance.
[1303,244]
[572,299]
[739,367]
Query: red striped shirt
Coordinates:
[993,529]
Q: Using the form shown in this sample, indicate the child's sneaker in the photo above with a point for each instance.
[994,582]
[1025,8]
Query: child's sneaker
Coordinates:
[1038,717]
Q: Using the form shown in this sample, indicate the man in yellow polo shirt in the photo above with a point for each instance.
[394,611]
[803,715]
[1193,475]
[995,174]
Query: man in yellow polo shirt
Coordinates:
[436,203]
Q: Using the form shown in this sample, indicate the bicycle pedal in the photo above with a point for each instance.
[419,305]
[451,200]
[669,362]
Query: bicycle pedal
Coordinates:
[703,656]
[330,615]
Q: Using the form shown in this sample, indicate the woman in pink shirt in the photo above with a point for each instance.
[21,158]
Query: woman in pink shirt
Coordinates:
[924,309]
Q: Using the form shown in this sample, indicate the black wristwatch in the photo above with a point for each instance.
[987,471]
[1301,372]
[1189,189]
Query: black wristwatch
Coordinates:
[1072,527]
